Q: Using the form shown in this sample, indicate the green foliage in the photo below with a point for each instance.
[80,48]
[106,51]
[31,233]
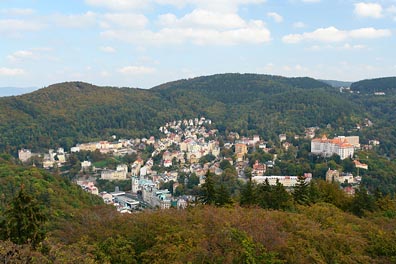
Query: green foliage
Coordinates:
[116,250]
[24,220]
[208,190]
[301,192]
[387,85]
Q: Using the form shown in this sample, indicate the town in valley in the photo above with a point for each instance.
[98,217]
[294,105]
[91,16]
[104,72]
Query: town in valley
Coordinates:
[165,172]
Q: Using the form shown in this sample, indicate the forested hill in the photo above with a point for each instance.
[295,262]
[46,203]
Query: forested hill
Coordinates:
[386,85]
[68,113]
[236,88]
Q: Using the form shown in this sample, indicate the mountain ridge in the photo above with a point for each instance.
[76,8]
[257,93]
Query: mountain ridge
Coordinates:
[71,112]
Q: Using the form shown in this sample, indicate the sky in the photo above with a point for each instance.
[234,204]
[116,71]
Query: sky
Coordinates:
[144,43]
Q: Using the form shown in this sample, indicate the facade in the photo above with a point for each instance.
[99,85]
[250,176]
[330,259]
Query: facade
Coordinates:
[240,150]
[328,147]
[119,174]
[287,181]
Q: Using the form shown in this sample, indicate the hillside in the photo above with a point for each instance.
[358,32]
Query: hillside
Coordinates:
[336,83]
[317,234]
[386,85]
[68,113]
[57,196]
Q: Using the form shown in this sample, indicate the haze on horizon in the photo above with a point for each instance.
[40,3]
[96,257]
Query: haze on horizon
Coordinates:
[143,43]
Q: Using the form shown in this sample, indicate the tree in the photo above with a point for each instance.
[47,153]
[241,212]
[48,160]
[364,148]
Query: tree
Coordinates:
[223,196]
[280,198]
[208,190]
[248,194]
[362,202]
[24,220]
[301,191]
[193,180]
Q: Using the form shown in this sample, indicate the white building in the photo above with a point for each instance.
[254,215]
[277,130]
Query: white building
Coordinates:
[340,146]
[287,181]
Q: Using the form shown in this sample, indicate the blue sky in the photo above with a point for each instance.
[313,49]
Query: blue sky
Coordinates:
[143,43]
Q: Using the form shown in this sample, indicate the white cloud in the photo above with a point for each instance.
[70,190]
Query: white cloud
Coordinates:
[254,33]
[11,71]
[124,20]
[223,5]
[21,55]
[299,24]
[108,49]
[370,33]
[200,27]
[391,9]
[215,5]
[275,16]
[311,1]
[373,10]
[332,34]
[14,26]
[119,4]
[136,70]
[75,20]
[348,46]
[203,18]
[17,11]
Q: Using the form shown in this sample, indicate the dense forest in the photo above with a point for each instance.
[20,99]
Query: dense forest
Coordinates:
[74,112]
[386,85]
[45,219]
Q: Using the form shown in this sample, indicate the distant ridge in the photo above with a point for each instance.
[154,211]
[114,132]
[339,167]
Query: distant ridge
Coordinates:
[385,85]
[13,91]
[336,83]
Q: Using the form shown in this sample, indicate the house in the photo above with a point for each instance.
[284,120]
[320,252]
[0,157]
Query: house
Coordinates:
[167,163]
[240,151]
[88,187]
[360,165]
[340,177]
[258,168]
[286,145]
[85,165]
[282,137]
[107,197]
[24,155]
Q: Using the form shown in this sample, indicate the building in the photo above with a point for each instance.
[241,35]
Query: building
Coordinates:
[258,168]
[119,174]
[24,155]
[287,181]
[339,145]
[240,150]
[341,177]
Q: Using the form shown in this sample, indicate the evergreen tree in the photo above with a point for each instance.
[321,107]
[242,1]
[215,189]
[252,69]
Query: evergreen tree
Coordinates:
[280,198]
[223,196]
[301,191]
[208,190]
[24,220]
[248,194]
[263,194]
